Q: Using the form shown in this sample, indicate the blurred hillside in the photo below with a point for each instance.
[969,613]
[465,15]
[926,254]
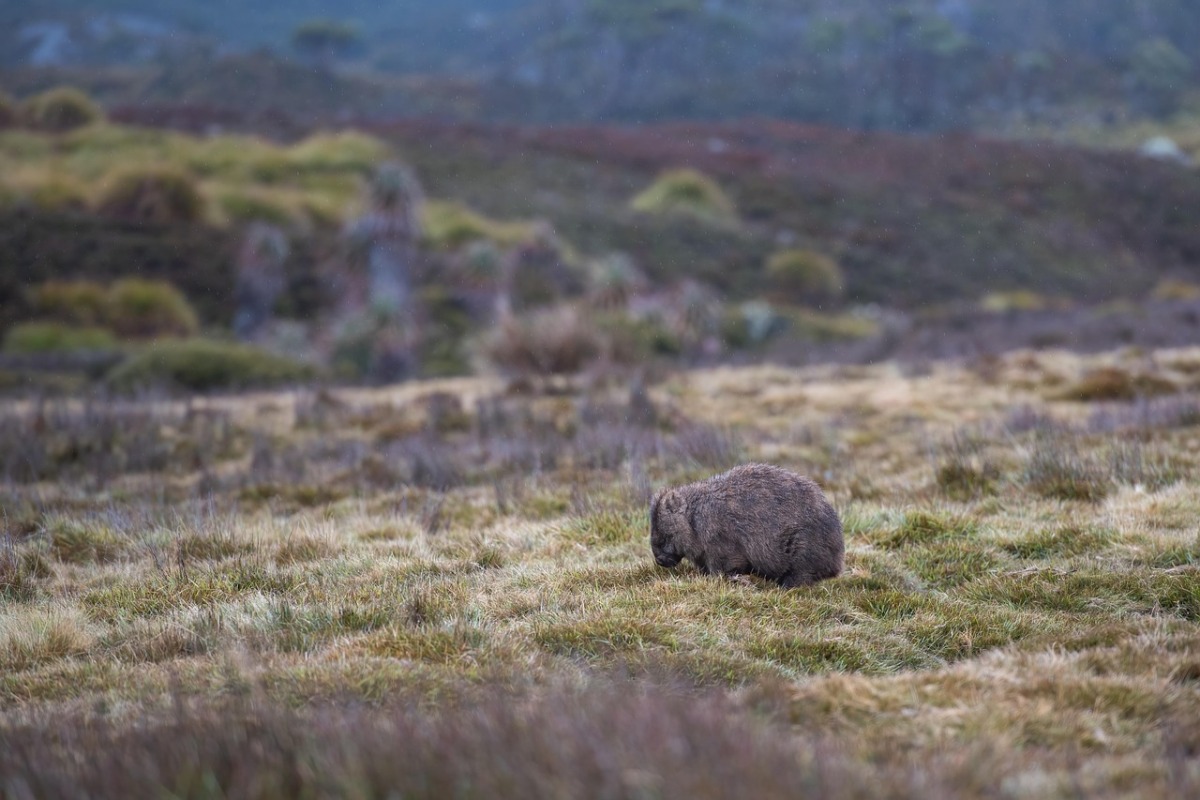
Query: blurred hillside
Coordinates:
[920,65]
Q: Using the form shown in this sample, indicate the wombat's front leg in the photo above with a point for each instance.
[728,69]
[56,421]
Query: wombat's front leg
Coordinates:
[725,568]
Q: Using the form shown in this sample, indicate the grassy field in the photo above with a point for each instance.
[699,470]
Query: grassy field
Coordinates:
[445,589]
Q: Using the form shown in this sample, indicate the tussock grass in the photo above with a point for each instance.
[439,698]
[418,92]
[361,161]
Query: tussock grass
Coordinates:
[347,547]
[30,637]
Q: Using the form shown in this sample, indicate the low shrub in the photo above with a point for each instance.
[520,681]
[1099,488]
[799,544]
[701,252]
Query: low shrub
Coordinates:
[552,342]
[688,192]
[804,277]
[1020,300]
[449,226]
[161,195]
[56,193]
[55,337]
[73,302]
[750,324]
[146,309]
[200,364]
[1114,383]
[60,110]
[248,205]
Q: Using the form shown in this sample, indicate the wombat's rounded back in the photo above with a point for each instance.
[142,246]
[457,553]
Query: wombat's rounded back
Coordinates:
[782,520]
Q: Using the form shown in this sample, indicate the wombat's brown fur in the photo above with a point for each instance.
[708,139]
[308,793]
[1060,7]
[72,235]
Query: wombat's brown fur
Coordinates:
[754,519]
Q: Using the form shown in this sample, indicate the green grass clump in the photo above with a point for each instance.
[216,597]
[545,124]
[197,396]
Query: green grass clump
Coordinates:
[164,593]
[686,192]
[804,277]
[450,226]
[425,644]
[83,541]
[948,564]
[606,637]
[21,570]
[1140,592]
[29,638]
[159,195]
[204,365]
[60,110]
[609,528]
[924,527]
[1064,542]
[241,205]
[341,152]
[54,337]
[819,656]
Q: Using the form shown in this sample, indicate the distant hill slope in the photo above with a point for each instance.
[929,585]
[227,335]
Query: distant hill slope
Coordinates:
[914,221]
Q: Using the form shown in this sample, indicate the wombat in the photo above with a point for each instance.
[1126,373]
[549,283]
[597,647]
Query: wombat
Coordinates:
[755,519]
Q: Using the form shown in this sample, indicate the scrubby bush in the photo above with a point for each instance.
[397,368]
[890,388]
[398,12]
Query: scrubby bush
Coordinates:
[1114,383]
[631,340]
[551,342]
[381,347]
[686,191]
[145,309]
[61,110]
[803,276]
[249,205]
[74,302]
[9,113]
[54,337]
[57,193]
[160,195]
[200,364]
[348,151]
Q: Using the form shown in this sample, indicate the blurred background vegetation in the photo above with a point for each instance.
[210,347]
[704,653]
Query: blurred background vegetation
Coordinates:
[344,187]
[911,65]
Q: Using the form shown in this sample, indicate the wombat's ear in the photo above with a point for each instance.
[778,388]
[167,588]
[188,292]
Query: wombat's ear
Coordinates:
[674,502]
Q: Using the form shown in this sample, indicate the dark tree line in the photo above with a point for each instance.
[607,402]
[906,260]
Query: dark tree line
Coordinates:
[916,65]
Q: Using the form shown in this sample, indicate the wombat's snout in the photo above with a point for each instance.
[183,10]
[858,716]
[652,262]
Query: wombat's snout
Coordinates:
[666,558]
